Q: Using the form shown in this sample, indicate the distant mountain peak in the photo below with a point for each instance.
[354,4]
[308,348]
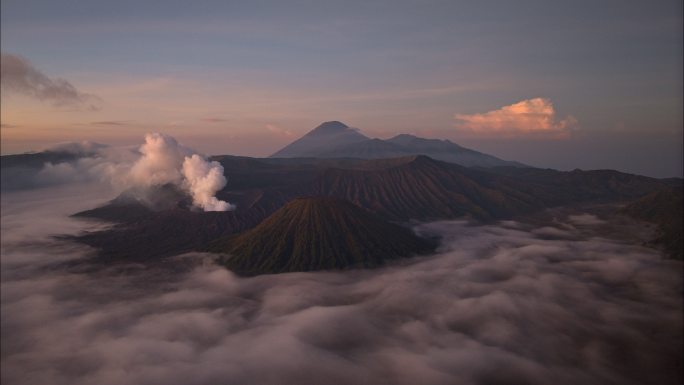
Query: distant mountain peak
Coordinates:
[332,126]
[335,139]
[326,134]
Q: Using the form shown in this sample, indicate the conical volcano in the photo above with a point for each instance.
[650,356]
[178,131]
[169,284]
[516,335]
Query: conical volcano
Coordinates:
[318,234]
[321,137]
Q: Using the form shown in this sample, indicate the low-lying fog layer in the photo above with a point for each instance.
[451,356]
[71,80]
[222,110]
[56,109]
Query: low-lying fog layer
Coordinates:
[507,304]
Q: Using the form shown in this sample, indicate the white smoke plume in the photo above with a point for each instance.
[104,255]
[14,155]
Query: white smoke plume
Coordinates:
[164,160]
[160,163]
[203,179]
[160,160]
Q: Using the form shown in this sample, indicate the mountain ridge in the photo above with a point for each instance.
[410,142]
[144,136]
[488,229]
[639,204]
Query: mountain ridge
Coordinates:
[336,140]
[664,208]
[321,136]
[399,189]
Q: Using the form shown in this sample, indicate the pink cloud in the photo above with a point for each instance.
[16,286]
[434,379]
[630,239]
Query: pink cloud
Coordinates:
[528,117]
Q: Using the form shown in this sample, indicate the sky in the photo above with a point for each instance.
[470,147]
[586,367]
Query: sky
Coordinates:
[559,84]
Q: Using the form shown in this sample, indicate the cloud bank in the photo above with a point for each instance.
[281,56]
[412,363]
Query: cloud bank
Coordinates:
[527,117]
[82,148]
[20,76]
[497,305]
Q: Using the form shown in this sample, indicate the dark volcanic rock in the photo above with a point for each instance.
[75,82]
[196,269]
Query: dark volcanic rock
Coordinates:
[166,233]
[418,187]
[318,233]
[663,208]
[136,204]
[399,189]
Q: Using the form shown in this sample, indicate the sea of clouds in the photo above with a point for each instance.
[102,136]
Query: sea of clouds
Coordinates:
[511,303]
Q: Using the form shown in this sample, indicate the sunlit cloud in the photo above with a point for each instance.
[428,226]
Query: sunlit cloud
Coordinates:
[527,117]
[19,76]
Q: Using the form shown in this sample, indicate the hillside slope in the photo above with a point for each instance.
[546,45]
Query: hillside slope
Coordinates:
[319,138]
[318,233]
[664,208]
[418,187]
